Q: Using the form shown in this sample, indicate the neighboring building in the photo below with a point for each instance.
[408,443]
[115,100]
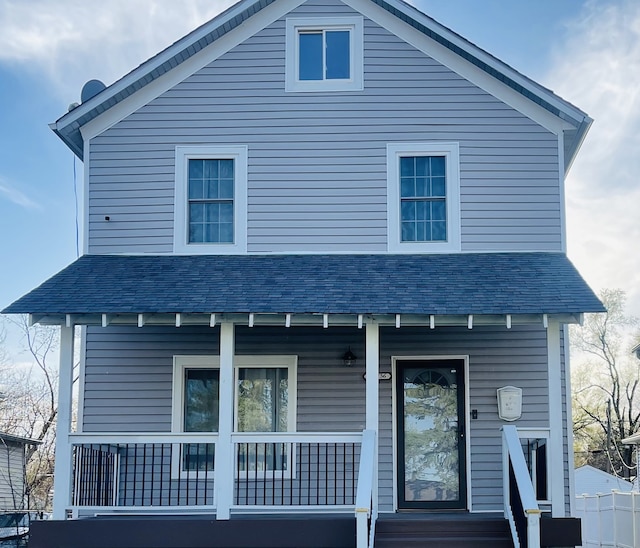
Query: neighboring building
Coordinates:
[591,481]
[318,237]
[13,495]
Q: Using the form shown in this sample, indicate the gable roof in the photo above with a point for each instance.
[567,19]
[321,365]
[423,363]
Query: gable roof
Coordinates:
[68,126]
[590,481]
[455,284]
[10,438]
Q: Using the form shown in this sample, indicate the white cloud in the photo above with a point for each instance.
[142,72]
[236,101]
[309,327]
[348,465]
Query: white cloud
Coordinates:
[72,41]
[11,193]
[598,69]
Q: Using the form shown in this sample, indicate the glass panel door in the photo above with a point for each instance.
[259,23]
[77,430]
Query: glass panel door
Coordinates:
[431,445]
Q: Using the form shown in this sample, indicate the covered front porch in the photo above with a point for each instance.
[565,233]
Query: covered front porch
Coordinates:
[430,350]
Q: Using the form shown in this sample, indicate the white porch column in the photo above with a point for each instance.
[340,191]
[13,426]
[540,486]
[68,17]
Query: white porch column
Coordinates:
[373,370]
[224,474]
[372,396]
[62,479]
[556,449]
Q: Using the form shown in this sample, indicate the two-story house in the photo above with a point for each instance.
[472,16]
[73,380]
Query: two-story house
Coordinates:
[324,292]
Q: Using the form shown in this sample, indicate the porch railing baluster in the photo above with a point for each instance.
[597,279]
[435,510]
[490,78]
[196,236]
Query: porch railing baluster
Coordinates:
[273,470]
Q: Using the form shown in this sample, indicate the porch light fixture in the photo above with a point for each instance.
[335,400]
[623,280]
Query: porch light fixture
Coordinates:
[349,358]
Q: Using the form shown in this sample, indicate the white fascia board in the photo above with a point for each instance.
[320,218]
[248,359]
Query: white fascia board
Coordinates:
[160,85]
[547,95]
[461,66]
[152,64]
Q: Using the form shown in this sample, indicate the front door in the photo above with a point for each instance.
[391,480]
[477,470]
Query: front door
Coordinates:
[431,434]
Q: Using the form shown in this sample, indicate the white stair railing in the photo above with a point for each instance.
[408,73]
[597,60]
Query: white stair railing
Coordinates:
[520,507]
[366,512]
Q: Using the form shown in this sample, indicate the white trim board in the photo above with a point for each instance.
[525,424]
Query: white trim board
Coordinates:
[459,65]
[160,85]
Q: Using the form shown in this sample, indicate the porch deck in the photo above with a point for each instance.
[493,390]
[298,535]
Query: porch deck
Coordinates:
[402,529]
[259,531]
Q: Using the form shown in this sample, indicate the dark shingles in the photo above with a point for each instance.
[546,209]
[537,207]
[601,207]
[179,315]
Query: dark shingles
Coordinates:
[476,283]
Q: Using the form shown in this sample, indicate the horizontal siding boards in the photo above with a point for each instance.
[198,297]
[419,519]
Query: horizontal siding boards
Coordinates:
[12,489]
[129,372]
[128,379]
[326,152]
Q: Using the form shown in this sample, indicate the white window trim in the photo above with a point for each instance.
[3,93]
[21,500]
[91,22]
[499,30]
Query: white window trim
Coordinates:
[182,362]
[268,362]
[238,153]
[356,54]
[451,152]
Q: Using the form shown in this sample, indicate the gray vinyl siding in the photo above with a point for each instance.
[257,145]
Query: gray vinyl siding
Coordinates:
[11,476]
[128,382]
[317,161]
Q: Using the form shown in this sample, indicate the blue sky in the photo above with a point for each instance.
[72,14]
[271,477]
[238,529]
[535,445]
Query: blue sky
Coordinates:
[587,51]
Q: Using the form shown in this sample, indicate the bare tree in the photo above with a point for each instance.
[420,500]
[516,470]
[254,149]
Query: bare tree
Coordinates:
[28,407]
[606,387]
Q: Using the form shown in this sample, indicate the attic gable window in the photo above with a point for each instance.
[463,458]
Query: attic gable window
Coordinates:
[324,54]
[423,198]
[210,200]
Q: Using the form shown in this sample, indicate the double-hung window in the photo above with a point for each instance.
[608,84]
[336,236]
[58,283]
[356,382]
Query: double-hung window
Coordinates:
[210,199]
[324,54]
[423,197]
[264,401]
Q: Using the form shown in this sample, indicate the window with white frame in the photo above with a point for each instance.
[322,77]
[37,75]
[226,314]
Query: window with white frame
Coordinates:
[264,401]
[423,202]
[210,199]
[196,397]
[324,54]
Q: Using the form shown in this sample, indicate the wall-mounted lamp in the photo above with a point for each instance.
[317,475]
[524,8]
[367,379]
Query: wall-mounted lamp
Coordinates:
[349,358]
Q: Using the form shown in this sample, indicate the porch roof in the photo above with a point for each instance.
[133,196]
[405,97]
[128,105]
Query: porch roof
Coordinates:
[453,284]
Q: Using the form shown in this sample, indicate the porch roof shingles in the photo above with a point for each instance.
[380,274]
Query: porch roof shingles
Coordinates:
[475,283]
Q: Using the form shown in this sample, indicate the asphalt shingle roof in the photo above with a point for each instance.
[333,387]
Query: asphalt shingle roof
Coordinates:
[474,283]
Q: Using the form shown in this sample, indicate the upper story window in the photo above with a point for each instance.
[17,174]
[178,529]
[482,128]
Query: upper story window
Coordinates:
[210,195]
[423,197]
[324,54]
[211,199]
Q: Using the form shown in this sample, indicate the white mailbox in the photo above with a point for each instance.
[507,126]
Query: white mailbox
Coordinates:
[509,403]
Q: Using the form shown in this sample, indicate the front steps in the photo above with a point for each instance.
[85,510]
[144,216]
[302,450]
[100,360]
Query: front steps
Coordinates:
[459,530]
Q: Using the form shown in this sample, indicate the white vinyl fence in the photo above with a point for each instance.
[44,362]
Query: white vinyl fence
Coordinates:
[610,519]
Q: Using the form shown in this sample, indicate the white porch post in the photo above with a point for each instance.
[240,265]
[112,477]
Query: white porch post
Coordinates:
[372,396]
[556,472]
[62,479]
[224,473]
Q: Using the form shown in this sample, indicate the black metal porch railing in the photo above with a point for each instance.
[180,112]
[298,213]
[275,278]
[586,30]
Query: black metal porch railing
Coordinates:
[143,474]
[296,474]
[277,470]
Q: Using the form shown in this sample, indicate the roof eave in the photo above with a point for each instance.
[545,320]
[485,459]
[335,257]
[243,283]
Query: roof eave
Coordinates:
[581,134]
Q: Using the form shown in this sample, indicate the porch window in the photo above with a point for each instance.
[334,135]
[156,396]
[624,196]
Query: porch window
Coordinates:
[264,399]
[201,404]
[423,197]
[263,392]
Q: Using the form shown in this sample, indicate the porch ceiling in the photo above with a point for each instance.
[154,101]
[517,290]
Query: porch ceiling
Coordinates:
[311,289]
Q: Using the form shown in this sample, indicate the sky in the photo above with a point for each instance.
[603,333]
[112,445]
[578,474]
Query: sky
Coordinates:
[586,51]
